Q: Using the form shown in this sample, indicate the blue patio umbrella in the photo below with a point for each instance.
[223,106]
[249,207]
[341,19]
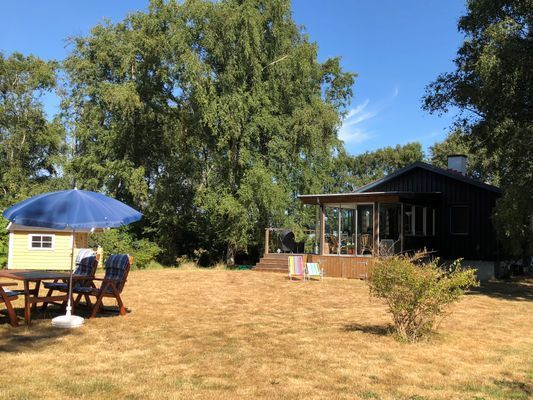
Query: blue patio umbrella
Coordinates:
[71,210]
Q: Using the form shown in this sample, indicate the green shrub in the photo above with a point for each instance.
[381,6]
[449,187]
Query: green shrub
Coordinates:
[417,291]
[4,240]
[116,241]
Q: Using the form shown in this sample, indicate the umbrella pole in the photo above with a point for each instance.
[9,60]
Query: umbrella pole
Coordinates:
[68,320]
[69,305]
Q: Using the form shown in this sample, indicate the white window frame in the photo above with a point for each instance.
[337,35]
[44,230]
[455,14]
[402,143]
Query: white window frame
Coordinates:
[356,247]
[30,240]
[412,209]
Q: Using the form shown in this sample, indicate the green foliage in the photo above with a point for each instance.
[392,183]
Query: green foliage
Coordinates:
[207,116]
[513,219]
[479,163]
[31,147]
[350,172]
[417,292]
[4,240]
[491,86]
[117,241]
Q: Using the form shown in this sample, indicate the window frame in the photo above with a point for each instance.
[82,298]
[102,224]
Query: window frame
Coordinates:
[425,217]
[41,235]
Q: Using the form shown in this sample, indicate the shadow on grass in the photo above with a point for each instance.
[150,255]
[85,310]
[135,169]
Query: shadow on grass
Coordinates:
[380,330]
[41,333]
[31,338]
[512,289]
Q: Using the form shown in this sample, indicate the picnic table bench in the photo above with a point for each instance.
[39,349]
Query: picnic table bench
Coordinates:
[31,295]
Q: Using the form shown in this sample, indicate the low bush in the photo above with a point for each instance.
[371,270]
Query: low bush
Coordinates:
[116,241]
[417,291]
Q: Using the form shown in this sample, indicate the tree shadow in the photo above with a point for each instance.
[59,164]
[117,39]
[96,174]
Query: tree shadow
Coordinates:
[30,338]
[517,289]
[380,330]
[41,333]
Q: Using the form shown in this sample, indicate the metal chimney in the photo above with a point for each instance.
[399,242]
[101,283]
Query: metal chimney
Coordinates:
[457,163]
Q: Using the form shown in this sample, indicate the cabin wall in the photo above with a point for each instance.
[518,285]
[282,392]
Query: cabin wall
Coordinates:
[480,242]
[58,258]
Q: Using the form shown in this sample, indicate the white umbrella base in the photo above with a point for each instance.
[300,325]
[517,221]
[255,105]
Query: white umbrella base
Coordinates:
[68,321]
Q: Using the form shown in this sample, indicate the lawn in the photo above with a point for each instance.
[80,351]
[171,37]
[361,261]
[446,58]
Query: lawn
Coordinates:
[220,334]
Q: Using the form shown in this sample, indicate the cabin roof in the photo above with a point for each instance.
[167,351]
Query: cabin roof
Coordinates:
[431,168]
[384,197]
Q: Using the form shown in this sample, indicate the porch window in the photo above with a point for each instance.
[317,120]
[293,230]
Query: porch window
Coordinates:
[419,220]
[459,216]
[41,242]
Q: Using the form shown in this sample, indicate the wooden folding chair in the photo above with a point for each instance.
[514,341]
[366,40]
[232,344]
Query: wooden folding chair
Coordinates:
[296,266]
[86,265]
[313,270]
[117,267]
[6,297]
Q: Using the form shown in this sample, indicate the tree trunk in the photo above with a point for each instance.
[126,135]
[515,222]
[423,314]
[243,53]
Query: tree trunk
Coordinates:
[230,255]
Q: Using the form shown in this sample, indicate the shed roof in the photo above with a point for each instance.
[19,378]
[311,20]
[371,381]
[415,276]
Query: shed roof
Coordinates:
[11,227]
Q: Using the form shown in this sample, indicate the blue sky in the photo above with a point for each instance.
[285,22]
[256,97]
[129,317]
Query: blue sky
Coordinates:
[396,47]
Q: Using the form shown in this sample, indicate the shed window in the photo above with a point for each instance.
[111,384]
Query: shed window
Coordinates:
[41,242]
[459,216]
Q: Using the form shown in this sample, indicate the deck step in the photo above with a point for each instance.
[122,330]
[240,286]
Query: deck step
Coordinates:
[269,264]
[275,262]
[276,270]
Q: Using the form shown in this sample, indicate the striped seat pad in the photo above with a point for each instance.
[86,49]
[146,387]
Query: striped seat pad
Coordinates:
[313,269]
[10,293]
[56,285]
[296,265]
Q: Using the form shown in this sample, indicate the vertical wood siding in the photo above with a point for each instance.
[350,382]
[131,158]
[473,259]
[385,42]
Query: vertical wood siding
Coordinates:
[480,243]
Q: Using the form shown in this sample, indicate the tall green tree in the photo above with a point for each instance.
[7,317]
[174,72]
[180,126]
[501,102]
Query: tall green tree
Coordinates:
[479,164]
[31,147]
[351,172]
[492,87]
[209,116]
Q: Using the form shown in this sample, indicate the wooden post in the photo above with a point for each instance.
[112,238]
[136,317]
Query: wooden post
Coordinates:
[339,230]
[376,230]
[267,239]
[401,228]
[322,228]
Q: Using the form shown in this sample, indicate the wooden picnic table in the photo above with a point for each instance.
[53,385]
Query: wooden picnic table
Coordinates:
[31,296]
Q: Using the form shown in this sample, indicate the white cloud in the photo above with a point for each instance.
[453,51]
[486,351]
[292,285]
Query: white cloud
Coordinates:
[352,131]
[353,136]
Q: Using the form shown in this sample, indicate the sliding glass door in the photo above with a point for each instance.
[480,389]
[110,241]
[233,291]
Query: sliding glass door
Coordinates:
[390,229]
[365,229]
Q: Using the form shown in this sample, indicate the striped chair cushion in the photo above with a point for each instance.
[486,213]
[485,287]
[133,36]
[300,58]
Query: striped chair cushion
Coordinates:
[296,265]
[56,285]
[84,267]
[313,269]
[84,290]
[116,266]
[10,293]
[85,262]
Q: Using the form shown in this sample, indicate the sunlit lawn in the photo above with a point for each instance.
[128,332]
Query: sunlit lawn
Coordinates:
[220,334]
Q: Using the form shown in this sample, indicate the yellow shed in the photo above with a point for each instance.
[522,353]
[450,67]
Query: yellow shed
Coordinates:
[42,248]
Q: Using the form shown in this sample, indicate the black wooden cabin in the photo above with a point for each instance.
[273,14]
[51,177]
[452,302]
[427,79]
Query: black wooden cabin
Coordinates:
[420,206]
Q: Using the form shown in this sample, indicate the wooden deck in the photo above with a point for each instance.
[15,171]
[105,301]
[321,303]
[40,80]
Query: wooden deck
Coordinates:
[345,266]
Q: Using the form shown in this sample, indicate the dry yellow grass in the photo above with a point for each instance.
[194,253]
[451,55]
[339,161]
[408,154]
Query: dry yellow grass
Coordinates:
[219,334]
